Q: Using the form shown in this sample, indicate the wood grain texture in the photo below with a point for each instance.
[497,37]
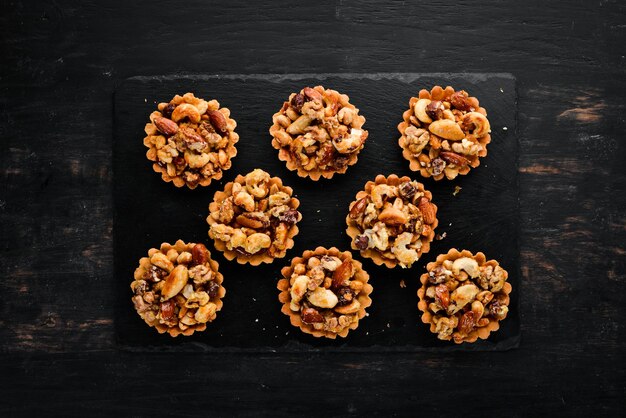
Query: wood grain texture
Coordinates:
[60,64]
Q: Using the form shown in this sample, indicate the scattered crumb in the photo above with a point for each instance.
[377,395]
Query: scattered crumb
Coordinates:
[501,91]
[263,328]
[256,320]
[402,284]
[318,211]
[504,128]
[367,333]
[287,333]
[457,189]
[254,299]
[388,326]
[439,237]
[145,100]
[367,314]
[450,224]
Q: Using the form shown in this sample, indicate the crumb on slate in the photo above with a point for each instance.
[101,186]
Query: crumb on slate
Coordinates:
[402,284]
[457,190]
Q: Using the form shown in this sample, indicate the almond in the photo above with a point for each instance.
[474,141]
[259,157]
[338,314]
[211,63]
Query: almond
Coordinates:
[218,121]
[311,316]
[429,211]
[312,94]
[166,126]
[342,273]
[199,254]
[358,208]
[454,158]
[175,282]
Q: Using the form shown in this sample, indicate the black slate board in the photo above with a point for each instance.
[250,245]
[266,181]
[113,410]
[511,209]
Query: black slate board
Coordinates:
[484,216]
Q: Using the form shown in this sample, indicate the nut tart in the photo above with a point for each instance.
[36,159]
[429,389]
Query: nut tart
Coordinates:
[318,132]
[178,289]
[191,141]
[254,219]
[444,133]
[392,221]
[325,292]
[463,296]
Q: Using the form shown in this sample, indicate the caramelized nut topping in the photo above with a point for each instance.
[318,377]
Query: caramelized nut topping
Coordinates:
[326,290]
[444,133]
[318,132]
[191,141]
[392,221]
[254,219]
[463,296]
[184,300]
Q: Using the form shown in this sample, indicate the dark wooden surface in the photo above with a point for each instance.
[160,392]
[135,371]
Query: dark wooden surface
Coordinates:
[60,64]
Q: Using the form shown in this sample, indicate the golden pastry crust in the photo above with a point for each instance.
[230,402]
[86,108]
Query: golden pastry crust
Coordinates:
[191,141]
[392,221]
[444,133]
[254,219]
[178,288]
[325,292]
[318,133]
[463,296]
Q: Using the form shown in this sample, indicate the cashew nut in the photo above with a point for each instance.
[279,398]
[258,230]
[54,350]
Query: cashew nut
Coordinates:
[405,256]
[382,190]
[477,124]
[420,110]
[350,308]
[393,216]
[468,264]
[186,110]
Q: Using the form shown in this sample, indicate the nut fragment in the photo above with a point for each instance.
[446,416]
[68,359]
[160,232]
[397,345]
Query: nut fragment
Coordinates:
[435,110]
[454,158]
[199,254]
[311,316]
[352,307]
[460,100]
[323,298]
[393,216]
[160,260]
